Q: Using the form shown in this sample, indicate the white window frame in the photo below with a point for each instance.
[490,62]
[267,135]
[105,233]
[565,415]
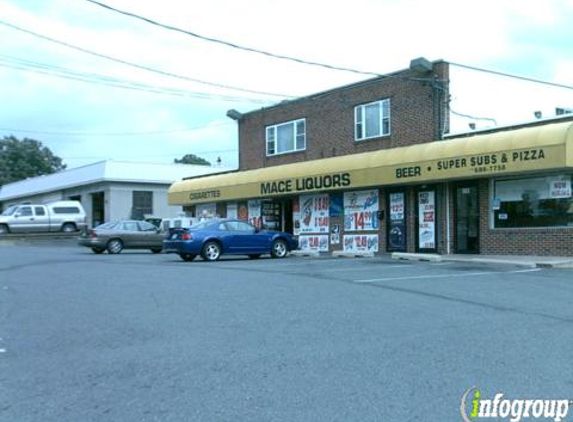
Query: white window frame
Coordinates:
[271,138]
[359,110]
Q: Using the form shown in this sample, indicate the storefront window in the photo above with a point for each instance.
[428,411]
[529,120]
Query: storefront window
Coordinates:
[533,202]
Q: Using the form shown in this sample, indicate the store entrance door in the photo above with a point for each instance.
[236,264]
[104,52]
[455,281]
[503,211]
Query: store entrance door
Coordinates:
[396,239]
[467,219]
[98,208]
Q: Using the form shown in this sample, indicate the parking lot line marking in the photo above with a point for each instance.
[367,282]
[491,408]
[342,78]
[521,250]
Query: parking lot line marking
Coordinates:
[373,280]
[314,263]
[368,268]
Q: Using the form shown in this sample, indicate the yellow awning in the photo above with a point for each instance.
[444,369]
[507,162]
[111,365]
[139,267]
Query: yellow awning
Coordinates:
[541,147]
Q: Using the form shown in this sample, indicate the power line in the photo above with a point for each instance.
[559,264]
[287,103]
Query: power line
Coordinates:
[93,78]
[232,45]
[139,66]
[473,117]
[114,134]
[494,72]
[96,157]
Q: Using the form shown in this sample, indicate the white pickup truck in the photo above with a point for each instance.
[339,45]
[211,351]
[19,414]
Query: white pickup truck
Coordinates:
[65,216]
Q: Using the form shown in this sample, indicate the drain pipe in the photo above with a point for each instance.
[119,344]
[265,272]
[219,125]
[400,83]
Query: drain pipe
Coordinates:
[448,241]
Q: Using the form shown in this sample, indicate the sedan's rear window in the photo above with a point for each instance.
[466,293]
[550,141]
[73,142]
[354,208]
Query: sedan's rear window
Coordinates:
[107,226]
[66,210]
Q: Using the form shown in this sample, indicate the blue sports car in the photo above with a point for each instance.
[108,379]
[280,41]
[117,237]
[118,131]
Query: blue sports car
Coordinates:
[214,238]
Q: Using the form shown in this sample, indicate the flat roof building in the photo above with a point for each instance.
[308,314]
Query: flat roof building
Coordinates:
[108,190]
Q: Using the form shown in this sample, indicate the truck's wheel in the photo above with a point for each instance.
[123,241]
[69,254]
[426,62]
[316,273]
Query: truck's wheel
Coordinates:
[69,227]
[4,229]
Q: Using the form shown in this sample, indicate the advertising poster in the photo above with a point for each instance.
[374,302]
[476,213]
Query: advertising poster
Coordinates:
[335,234]
[206,210]
[361,243]
[397,222]
[560,189]
[427,220]
[271,212]
[313,243]
[296,216]
[314,213]
[255,217]
[242,211]
[232,210]
[336,205]
[360,210]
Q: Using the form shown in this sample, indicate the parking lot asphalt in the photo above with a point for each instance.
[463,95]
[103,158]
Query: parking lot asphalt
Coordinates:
[143,337]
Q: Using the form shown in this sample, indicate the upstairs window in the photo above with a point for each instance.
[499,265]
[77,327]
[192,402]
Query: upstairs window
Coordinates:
[372,120]
[286,137]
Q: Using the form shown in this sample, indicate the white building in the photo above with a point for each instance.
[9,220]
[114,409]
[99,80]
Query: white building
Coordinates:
[108,190]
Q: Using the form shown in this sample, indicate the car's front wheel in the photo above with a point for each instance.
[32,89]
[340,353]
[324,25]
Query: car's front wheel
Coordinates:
[4,229]
[187,257]
[114,246]
[279,249]
[211,251]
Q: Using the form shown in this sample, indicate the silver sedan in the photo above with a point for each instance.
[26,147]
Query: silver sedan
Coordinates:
[126,234]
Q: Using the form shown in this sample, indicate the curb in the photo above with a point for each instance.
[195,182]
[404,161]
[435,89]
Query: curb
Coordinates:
[493,261]
[556,264]
[417,257]
[341,254]
[305,254]
[537,262]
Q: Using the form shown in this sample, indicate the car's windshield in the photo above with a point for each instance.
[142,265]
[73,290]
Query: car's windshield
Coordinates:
[10,210]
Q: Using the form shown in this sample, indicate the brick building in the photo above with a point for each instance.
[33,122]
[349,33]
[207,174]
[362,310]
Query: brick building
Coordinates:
[366,168]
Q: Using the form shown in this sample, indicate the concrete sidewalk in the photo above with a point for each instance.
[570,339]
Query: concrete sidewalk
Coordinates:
[528,261]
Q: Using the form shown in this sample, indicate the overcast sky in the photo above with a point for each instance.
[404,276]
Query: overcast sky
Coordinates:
[87,122]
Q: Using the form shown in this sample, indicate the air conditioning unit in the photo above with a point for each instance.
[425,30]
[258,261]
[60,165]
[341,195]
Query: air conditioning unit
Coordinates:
[559,111]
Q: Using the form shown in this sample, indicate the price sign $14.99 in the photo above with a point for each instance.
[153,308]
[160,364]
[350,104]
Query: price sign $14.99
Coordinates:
[363,220]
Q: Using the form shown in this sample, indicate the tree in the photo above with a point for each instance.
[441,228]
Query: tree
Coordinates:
[26,158]
[192,159]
